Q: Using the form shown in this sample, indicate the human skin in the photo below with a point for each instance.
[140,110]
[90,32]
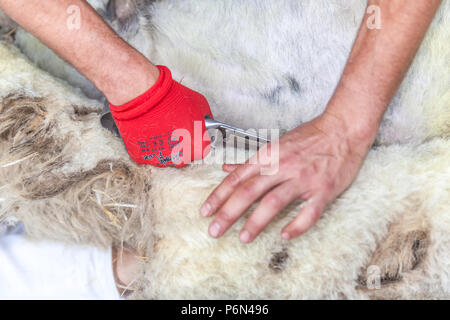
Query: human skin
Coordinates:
[125,264]
[320,159]
[116,68]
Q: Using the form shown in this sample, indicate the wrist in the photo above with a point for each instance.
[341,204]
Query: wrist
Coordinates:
[358,139]
[133,76]
[350,126]
[355,114]
[357,133]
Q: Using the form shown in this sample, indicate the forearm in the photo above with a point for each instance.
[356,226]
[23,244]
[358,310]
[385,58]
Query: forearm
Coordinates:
[117,69]
[378,63]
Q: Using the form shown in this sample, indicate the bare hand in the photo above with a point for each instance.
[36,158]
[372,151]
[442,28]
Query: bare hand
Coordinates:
[317,161]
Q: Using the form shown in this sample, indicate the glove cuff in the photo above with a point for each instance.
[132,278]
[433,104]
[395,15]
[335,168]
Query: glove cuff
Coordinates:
[146,101]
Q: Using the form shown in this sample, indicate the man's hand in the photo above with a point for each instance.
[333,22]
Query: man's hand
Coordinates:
[317,162]
[320,159]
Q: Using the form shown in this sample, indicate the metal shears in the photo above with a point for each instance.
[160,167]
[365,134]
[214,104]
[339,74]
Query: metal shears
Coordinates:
[226,129]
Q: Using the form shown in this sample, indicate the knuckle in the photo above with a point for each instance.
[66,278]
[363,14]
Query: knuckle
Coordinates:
[226,216]
[233,178]
[301,173]
[248,189]
[329,185]
[273,201]
[254,227]
[315,214]
[297,230]
[290,162]
[308,171]
[214,199]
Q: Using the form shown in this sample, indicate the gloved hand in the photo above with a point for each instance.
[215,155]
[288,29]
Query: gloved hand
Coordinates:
[165,126]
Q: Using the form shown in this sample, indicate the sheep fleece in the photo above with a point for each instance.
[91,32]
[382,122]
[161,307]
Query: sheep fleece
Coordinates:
[66,178]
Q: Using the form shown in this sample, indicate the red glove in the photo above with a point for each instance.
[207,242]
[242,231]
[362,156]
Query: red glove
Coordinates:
[165,126]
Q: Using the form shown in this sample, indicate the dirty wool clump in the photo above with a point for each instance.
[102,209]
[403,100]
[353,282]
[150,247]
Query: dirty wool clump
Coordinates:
[66,178]
[57,161]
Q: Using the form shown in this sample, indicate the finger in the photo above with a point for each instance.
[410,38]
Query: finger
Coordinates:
[222,192]
[240,200]
[272,204]
[230,167]
[305,220]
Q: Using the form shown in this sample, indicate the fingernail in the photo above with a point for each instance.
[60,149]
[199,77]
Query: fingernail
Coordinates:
[214,230]
[285,235]
[205,209]
[245,236]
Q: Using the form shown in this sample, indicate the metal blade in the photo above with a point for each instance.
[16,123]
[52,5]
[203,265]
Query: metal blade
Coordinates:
[214,124]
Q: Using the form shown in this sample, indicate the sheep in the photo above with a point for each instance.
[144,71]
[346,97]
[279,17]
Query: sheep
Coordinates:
[66,178]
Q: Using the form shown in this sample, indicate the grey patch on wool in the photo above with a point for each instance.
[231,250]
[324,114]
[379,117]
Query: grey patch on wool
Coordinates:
[123,15]
[278,260]
[7,25]
[273,96]
[293,84]
[80,113]
[146,8]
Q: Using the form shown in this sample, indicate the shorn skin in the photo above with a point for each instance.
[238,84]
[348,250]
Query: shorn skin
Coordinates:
[75,183]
